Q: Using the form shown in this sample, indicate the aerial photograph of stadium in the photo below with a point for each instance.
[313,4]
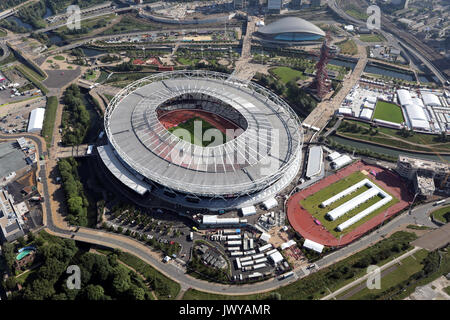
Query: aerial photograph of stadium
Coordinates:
[213,152]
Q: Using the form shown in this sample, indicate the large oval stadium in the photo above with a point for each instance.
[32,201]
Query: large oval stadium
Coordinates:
[202,139]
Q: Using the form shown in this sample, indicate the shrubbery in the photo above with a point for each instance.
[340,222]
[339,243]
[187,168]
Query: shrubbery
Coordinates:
[77,202]
[76,119]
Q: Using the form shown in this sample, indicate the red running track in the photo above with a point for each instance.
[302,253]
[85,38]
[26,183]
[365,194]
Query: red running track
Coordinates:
[303,222]
[176,117]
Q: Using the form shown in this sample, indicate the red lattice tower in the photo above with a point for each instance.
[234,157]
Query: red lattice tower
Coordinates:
[321,83]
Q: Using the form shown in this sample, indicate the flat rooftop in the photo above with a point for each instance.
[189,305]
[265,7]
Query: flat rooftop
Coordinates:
[425,164]
[11,158]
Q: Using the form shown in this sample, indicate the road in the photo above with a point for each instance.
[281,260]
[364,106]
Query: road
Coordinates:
[325,109]
[53,226]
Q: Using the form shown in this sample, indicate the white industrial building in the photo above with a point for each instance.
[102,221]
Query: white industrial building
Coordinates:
[366,212]
[313,245]
[415,110]
[356,202]
[276,257]
[352,203]
[345,192]
[36,120]
[366,113]
[417,117]
[270,203]
[345,111]
[404,97]
[248,211]
[333,156]
[431,100]
[315,161]
[340,162]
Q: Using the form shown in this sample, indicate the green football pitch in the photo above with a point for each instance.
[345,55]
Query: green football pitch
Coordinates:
[311,204]
[388,112]
[196,136]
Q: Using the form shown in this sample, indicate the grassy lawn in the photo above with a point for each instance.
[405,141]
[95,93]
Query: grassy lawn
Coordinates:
[33,77]
[49,119]
[189,125]
[311,204]
[187,62]
[90,75]
[355,12]
[388,112]
[447,290]
[417,138]
[408,267]
[286,74]
[2,33]
[128,24]
[59,58]
[442,214]
[348,47]
[371,38]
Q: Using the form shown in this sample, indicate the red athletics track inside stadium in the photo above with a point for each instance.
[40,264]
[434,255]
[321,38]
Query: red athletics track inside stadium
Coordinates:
[174,118]
[303,222]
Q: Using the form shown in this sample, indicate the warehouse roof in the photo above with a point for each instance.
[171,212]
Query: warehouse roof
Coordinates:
[404,97]
[313,245]
[36,120]
[431,100]
[315,159]
[415,112]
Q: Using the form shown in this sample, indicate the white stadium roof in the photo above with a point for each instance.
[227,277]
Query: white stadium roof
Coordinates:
[145,145]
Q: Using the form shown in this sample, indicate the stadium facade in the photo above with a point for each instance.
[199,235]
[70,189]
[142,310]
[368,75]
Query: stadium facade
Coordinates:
[247,168]
[290,31]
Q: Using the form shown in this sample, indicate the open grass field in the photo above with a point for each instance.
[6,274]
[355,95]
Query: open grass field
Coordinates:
[196,136]
[49,119]
[371,38]
[447,290]
[402,272]
[286,74]
[348,47]
[442,214]
[311,204]
[393,138]
[388,112]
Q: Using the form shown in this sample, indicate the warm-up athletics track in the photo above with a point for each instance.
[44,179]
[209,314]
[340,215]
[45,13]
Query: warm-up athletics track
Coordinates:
[303,222]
